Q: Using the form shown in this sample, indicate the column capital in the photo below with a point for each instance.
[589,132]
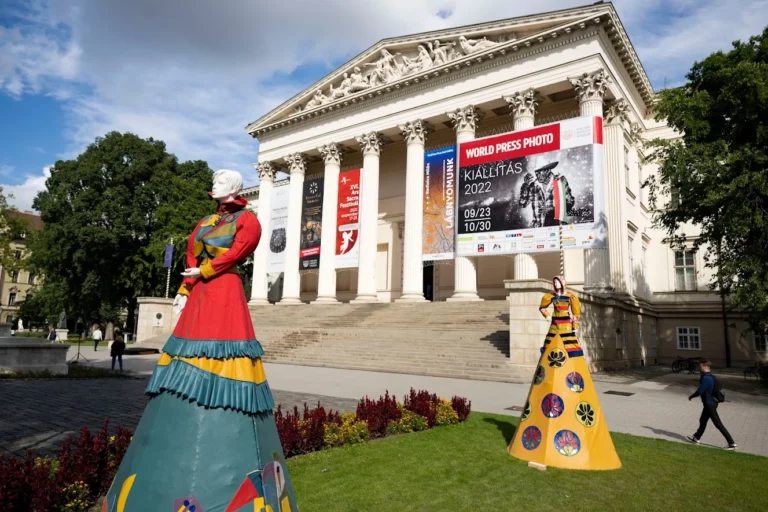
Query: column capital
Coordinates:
[523,103]
[331,153]
[415,132]
[296,164]
[370,143]
[466,119]
[636,134]
[591,86]
[266,170]
[616,112]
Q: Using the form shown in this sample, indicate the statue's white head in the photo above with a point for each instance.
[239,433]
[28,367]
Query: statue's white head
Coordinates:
[227,185]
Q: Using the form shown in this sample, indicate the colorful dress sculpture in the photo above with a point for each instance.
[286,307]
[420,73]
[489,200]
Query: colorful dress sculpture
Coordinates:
[207,441]
[562,424]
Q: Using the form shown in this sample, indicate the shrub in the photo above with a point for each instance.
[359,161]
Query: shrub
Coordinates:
[422,403]
[347,431]
[445,415]
[76,498]
[303,433]
[408,422]
[378,413]
[462,406]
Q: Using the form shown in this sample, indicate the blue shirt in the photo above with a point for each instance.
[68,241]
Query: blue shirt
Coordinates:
[706,388]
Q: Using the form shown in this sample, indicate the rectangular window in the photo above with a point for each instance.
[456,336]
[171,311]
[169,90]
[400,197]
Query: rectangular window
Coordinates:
[631,268]
[12,299]
[644,263]
[626,166]
[31,279]
[685,271]
[688,338]
[14,277]
[640,182]
[761,341]
[674,198]
[17,255]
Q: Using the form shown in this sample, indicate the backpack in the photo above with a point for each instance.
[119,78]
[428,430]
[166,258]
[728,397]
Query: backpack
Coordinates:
[717,391]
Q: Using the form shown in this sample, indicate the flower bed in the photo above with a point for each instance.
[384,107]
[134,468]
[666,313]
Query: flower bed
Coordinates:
[85,466]
[314,429]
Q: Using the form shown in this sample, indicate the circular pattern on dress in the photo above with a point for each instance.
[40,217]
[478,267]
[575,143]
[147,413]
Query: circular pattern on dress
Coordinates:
[575,382]
[526,411]
[552,406]
[531,438]
[567,443]
[556,358]
[585,414]
[539,376]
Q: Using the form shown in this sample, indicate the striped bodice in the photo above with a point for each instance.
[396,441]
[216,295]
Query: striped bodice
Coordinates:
[216,235]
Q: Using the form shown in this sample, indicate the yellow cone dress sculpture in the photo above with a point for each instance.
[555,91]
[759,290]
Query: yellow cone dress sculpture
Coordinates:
[562,424]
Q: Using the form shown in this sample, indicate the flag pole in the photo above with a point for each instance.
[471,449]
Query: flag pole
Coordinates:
[168,277]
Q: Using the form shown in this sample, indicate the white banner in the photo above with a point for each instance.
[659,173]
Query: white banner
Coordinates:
[278,222]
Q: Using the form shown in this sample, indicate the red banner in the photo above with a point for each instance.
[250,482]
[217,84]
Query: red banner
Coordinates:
[348,220]
[511,145]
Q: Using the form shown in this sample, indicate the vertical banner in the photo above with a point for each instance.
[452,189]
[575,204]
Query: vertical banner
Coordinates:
[516,189]
[168,256]
[311,224]
[278,220]
[348,220]
[439,200]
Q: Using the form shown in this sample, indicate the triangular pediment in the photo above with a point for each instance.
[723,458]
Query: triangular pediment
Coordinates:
[399,62]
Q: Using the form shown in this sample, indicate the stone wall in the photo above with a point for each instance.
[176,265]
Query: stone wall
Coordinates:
[614,333]
[155,318]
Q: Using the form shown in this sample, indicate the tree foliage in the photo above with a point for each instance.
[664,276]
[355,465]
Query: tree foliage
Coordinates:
[43,304]
[108,216]
[719,170]
[11,228]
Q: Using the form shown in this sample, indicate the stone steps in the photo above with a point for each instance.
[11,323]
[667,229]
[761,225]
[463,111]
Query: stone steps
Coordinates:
[456,340]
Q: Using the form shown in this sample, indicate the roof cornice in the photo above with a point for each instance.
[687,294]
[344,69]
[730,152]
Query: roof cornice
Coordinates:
[601,14]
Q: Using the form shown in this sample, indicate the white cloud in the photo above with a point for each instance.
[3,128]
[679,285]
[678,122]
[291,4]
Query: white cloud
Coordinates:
[24,193]
[194,72]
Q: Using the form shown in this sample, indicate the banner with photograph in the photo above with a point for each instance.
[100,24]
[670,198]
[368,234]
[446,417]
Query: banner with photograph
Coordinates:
[515,189]
[348,220]
[278,221]
[439,200]
[311,224]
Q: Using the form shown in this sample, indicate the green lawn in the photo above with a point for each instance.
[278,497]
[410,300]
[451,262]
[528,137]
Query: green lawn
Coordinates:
[466,467]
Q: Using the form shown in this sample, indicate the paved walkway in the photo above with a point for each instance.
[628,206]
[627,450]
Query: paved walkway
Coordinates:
[41,413]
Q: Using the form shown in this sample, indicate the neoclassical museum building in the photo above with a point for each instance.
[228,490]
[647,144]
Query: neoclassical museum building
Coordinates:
[403,97]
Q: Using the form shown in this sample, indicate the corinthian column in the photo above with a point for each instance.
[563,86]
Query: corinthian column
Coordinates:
[614,117]
[326,285]
[465,269]
[522,106]
[591,88]
[370,143]
[291,279]
[415,133]
[259,286]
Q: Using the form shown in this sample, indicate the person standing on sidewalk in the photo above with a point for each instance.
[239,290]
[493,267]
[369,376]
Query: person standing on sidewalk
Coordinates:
[711,395]
[52,335]
[118,347]
[97,336]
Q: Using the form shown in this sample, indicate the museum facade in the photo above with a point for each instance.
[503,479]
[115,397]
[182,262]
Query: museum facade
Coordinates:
[377,116]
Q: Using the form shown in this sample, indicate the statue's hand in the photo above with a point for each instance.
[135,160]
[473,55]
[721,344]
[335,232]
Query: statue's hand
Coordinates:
[179,303]
[191,272]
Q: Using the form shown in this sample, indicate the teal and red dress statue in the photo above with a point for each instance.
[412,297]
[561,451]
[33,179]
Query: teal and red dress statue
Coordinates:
[207,441]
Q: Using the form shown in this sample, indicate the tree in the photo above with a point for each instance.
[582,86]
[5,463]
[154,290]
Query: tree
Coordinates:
[718,171]
[43,305]
[11,228]
[107,217]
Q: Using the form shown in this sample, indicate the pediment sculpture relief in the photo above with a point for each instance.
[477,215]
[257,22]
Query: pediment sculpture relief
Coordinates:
[391,67]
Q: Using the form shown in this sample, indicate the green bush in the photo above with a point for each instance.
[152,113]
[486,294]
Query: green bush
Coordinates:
[445,414]
[408,422]
[349,431]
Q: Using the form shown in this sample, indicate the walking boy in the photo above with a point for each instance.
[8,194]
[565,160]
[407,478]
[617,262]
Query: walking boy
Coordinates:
[711,396]
[97,337]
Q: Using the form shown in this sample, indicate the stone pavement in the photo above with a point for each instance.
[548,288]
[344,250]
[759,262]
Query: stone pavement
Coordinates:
[42,413]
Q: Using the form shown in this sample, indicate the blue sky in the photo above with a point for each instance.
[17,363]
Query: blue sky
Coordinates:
[194,72]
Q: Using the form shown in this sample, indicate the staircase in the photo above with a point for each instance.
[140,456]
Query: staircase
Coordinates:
[460,340]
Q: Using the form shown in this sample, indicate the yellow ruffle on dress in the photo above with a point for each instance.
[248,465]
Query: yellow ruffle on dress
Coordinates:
[562,424]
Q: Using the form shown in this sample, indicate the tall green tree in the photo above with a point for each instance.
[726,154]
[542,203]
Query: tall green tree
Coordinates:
[11,228]
[718,169]
[108,216]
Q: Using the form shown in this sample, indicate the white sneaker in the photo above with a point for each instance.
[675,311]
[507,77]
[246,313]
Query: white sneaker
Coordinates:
[731,447]
[693,439]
